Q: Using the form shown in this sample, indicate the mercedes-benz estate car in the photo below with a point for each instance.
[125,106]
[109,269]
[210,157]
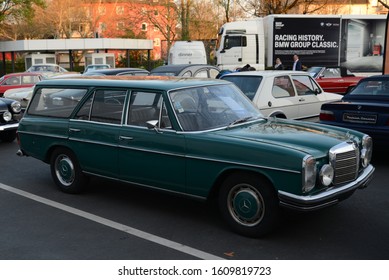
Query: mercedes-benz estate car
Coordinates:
[202,138]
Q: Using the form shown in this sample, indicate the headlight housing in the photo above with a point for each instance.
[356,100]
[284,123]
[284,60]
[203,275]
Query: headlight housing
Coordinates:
[7,116]
[16,107]
[326,175]
[367,150]
[309,173]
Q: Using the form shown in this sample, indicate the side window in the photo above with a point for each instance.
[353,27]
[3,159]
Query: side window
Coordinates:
[282,87]
[332,73]
[55,102]
[304,85]
[235,41]
[201,74]
[13,81]
[187,74]
[107,106]
[145,107]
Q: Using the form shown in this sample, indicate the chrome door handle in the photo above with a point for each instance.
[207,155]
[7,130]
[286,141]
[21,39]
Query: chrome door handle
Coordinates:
[74,130]
[125,138]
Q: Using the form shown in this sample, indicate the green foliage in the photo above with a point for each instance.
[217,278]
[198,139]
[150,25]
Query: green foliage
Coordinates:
[11,10]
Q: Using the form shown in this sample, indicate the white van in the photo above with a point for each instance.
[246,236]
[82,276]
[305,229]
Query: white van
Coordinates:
[187,52]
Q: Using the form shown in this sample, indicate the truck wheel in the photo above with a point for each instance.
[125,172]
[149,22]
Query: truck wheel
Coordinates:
[8,136]
[249,204]
[66,171]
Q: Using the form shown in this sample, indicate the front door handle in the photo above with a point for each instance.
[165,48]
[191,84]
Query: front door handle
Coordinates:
[125,138]
[74,130]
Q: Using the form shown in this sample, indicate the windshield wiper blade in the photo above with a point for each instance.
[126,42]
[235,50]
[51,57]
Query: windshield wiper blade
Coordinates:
[241,120]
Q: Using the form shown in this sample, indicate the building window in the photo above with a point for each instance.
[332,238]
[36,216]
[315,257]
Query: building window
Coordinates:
[120,25]
[157,42]
[144,26]
[102,27]
[156,28]
[119,10]
[101,10]
[156,13]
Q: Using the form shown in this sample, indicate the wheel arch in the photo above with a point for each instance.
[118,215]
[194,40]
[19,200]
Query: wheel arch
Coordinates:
[213,194]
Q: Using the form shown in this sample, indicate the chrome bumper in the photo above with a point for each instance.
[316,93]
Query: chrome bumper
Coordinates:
[9,126]
[326,198]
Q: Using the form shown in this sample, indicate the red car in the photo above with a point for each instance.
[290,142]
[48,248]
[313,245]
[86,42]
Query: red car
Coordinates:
[19,80]
[335,79]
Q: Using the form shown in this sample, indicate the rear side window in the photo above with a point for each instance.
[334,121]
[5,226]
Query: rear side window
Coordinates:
[105,106]
[247,84]
[55,102]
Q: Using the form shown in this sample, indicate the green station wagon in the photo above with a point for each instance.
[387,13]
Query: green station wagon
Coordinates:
[200,138]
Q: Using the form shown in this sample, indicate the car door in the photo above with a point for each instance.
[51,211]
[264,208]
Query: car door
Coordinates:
[308,95]
[94,131]
[151,156]
[331,80]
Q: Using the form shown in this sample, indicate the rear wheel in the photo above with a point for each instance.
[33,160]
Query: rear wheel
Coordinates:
[66,171]
[249,204]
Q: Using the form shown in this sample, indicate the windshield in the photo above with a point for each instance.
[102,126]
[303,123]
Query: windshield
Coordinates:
[314,71]
[210,107]
[372,87]
[247,84]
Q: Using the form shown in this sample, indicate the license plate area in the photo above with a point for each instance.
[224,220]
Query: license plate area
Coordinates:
[360,118]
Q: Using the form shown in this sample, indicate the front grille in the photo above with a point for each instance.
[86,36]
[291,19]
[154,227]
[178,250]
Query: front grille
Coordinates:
[345,160]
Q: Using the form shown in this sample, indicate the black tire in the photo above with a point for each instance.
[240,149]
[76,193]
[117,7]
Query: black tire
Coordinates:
[8,136]
[66,171]
[249,204]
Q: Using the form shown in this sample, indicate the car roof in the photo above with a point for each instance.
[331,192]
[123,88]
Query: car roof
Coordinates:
[113,71]
[177,68]
[23,74]
[143,82]
[376,78]
[267,73]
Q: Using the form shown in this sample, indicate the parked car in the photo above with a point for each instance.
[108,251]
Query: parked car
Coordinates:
[282,94]
[365,108]
[53,68]
[9,119]
[92,67]
[197,137]
[118,72]
[336,79]
[19,80]
[186,70]
[23,95]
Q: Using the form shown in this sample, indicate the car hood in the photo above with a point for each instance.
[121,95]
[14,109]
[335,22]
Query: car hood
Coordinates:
[312,138]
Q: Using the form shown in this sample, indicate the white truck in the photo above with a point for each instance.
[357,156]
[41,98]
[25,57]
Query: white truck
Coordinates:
[187,52]
[318,40]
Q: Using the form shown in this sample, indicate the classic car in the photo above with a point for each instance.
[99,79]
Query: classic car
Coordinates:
[92,67]
[49,67]
[186,70]
[9,119]
[282,94]
[201,138]
[365,108]
[19,80]
[336,79]
[23,95]
[117,72]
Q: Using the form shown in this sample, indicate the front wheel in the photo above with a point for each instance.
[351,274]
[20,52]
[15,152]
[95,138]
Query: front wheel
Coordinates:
[66,171]
[249,204]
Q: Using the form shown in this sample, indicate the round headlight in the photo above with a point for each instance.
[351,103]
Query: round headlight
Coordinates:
[309,173]
[16,107]
[7,116]
[326,175]
[367,150]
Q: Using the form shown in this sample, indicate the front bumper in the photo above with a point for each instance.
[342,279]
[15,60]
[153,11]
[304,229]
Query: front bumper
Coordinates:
[12,126]
[328,197]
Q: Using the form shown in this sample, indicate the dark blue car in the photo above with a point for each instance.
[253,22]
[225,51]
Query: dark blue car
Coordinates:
[365,108]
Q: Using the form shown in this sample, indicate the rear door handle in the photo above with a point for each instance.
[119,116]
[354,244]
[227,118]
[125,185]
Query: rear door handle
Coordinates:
[74,130]
[302,99]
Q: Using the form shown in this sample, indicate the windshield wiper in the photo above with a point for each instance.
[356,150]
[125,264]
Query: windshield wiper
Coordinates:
[241,120]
